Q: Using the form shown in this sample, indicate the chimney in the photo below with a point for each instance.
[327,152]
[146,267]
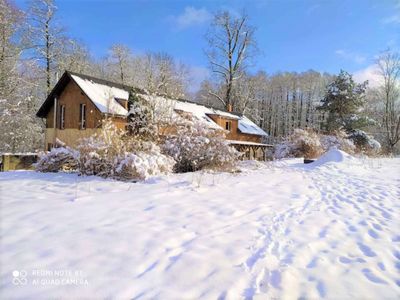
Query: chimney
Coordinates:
[229,107]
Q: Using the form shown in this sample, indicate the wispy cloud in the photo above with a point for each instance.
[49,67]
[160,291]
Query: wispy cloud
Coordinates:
[191,16]
[349,55]
[370,73]
[395,18]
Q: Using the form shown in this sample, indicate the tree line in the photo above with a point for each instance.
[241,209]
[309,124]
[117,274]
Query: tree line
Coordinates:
[35,50]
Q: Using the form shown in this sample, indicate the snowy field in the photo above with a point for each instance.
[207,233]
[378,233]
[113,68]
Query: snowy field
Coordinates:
[275,230]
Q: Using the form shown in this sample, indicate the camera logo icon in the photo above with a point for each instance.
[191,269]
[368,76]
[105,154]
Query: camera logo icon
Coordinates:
[19,277]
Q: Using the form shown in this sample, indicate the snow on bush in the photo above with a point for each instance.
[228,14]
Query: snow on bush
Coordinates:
[143,165]
[114,153]
[338,140]
[364,142]
[98,153]
[58,159]
[301,143]
[309,144]
[196,146]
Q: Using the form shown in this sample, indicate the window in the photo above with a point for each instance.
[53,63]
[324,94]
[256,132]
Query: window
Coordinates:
[82,116]
[62,117]
[228,125]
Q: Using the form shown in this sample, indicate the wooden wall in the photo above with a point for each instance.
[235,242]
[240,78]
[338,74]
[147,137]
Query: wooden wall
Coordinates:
[72,96]
[234,133]
[68,136]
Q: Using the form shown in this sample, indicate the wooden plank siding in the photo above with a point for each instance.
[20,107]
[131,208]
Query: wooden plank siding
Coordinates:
[234,133]
[72,96]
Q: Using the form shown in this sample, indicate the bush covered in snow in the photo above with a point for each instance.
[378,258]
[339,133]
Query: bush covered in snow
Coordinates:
[301,143]
[114,153]
[364,142]
[58,159]
[110,153]
[339,140]
[309,144]
[196,146]
[142,165]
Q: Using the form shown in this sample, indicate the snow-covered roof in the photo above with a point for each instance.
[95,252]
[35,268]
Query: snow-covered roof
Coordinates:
[198,111]
[202,113]
[247,126]
[103,96]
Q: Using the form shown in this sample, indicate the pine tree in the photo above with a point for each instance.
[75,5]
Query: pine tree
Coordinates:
[343,101]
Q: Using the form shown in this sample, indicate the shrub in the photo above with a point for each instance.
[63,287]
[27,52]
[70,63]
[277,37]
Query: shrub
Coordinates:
[196,146]
[364,142]
[58,159]
[113,153]
[98,153]
[142,165]
[338,140]
[301,143]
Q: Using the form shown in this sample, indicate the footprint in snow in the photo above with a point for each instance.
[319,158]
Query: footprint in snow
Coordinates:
[373,234]
[352,228]
[321,289]
[372,277]
[366,250]
[377,226]
[312,263]
[381,266]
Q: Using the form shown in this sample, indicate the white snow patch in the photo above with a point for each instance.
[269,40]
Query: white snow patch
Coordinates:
[245,125]
[274,230]
[333,156]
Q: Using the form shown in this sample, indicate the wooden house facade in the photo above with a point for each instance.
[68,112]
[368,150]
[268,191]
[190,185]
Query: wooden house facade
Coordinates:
[78,103]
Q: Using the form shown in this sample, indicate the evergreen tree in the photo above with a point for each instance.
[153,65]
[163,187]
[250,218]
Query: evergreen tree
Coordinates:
[343,102]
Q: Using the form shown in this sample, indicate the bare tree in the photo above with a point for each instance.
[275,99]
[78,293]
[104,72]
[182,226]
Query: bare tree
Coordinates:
[45,34]
[120,56]
[10,49]
[231,44]
[75,57]
[389,91]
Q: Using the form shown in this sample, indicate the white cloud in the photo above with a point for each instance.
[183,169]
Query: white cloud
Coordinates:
[369,73]
[191,16]
[355,57]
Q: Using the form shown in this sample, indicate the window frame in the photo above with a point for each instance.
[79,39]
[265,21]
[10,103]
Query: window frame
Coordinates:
[61,124]
[82,116]
[228,126]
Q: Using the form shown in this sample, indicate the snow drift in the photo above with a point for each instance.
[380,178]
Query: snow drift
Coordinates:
[333,156]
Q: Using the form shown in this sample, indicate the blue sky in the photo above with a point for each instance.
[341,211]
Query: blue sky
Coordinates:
[293,35]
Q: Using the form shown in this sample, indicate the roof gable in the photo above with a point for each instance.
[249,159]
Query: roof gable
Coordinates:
[103,96]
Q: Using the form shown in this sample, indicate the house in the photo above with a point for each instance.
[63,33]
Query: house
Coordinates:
[82,102]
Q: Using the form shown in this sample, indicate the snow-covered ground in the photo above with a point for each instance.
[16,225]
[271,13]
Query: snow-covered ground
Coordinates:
[283,229]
